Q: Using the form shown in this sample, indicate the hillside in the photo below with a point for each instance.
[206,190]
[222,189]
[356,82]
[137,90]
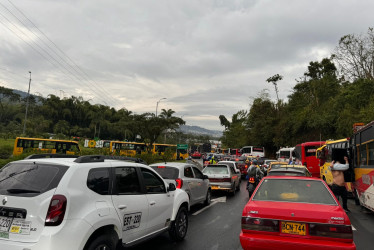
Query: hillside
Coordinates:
[199,131]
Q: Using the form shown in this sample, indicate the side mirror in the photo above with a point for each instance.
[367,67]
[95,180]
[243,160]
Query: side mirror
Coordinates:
[171,187]
[205,177]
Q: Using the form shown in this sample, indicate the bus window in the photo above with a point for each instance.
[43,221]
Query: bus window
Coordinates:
[23,144]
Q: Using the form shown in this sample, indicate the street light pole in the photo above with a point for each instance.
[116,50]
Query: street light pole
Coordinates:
[27,106]
[157,104]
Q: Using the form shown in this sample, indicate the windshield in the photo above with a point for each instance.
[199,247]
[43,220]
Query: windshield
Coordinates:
[216,170]
[29,179]
[294,190]
[285,154]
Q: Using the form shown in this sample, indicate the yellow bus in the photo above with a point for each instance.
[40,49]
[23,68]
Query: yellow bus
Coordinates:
[135,148]
[24,144]
[127,148]
[332,150]
[177,154]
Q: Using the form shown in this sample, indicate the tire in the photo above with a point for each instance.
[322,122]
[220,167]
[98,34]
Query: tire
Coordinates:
[208,198]
[179,226]
[107,241]
[233,191]
[251,189]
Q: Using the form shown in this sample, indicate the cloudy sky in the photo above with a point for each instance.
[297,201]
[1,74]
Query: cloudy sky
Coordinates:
[206,57]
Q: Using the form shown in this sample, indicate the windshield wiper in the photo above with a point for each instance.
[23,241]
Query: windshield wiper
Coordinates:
[21,191]
[17,173]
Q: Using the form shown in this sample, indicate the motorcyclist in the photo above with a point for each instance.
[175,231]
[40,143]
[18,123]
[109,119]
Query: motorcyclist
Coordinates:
[212,160]
[255,172]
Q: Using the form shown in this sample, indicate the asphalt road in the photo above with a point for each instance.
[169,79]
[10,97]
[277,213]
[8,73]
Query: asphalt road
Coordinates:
[218,226]
[363,226]
[211,228]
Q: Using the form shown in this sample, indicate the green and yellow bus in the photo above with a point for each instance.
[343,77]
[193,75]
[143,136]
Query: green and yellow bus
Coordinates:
[125,148]
[39,145]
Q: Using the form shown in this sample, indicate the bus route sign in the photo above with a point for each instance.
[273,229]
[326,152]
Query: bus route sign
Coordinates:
[182,146]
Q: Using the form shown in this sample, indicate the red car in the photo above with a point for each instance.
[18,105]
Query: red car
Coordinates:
[292,212]
[196,155]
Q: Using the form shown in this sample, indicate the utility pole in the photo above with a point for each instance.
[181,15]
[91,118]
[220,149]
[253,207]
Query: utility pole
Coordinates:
[27,106]
[157,104]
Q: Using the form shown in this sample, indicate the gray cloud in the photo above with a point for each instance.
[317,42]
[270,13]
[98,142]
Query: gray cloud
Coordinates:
[207,57]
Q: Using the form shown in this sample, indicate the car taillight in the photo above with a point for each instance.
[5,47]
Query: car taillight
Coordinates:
[160,166]
[256,224]
[56,211]
[329,230]
[246,166]
[179,183]
[251,179]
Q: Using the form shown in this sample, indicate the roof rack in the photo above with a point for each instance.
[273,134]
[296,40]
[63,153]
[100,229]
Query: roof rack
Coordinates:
[41,156]
[101,158]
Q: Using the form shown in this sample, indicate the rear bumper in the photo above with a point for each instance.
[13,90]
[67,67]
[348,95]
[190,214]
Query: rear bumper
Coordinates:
[259,241]
[73,235]
[221,186]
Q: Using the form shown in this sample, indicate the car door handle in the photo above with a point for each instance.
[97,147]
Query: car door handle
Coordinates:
[152,203]
[122,206]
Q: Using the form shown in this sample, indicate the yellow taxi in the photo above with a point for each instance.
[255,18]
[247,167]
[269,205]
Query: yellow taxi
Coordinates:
[289,170]
[275,164]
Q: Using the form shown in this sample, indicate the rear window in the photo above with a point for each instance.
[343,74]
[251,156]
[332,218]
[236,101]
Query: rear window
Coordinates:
[275,166]
[167,172]
[293,190]
[230,164]
[29,179]
[216,170]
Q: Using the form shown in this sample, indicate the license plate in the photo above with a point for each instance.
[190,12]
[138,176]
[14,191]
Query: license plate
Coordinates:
[131,221]
[215,187]
[5,223]
[293,228]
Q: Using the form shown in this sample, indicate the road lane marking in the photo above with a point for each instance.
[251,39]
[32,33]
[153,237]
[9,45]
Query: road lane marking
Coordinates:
[220,199]
[205,208]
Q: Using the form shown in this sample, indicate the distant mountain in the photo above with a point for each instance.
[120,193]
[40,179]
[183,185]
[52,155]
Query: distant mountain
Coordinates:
[199,131]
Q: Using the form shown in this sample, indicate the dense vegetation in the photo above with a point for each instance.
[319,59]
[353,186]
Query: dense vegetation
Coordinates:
[331,95]
[74,117]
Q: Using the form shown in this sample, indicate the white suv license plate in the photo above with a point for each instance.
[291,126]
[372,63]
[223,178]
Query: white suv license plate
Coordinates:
[14,225]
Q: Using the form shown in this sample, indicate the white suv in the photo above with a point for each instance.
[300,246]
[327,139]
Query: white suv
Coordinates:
[88,202]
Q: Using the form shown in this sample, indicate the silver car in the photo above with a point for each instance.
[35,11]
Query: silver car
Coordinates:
[223,177]
[188,178]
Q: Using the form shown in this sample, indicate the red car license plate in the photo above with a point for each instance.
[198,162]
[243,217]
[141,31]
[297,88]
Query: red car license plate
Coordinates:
[293,228]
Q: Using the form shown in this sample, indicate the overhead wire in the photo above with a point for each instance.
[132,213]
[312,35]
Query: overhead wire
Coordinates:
[42,49]
[82,77]
[48,59]
[79,71]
